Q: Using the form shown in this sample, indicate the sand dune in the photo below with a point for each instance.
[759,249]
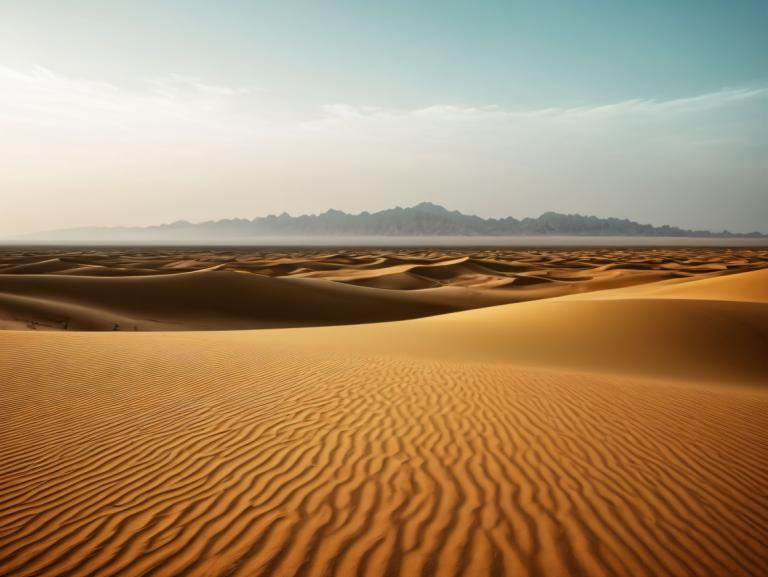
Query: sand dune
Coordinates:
[215,299]
[241,461]
[179,289]
[621,432]
[713,329]
[744,287]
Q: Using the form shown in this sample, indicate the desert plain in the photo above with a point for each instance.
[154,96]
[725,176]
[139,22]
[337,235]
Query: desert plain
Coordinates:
[315,412]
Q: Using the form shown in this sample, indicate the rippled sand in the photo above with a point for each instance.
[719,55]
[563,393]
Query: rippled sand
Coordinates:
[612,432]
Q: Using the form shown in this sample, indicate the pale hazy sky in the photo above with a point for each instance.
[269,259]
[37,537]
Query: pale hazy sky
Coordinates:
[142,112]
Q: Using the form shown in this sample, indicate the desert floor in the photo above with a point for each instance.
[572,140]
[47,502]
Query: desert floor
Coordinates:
[558,412]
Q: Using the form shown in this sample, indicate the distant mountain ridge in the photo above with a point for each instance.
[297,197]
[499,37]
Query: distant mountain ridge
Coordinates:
[424,219]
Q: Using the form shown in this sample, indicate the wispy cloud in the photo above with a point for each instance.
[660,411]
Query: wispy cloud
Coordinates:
[185,136]
[698,103]
[40,96]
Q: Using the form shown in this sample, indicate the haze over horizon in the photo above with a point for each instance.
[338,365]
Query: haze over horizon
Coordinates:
[408,221]
[118,115]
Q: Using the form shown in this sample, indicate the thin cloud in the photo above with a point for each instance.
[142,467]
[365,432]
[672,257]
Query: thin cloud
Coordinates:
[40,95]
[237,152]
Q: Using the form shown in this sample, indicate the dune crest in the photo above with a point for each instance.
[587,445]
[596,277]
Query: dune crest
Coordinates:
[613,433]
[700,329]
[185,289]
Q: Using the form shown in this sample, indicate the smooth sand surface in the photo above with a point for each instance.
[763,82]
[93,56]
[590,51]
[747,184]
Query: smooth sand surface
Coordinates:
[620,432]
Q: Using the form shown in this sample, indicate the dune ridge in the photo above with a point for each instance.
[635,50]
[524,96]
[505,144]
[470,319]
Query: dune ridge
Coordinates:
[183,289]
[215,299]
[434,446]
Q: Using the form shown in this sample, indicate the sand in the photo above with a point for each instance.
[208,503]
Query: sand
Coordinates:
[214,289]
[619,431]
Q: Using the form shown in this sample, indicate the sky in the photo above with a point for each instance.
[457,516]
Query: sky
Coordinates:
[144,112]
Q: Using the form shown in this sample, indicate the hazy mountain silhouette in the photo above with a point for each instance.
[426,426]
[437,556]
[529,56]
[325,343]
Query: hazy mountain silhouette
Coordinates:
[424,219]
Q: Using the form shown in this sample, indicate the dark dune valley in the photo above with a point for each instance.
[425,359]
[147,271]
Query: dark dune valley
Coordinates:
[381,412]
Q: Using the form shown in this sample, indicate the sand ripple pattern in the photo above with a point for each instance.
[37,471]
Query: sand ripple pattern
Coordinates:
[132,455]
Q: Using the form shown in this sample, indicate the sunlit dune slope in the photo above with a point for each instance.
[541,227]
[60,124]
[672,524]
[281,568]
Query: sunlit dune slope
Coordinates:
[700,329]
[743,287]
[511,440]
[678,330]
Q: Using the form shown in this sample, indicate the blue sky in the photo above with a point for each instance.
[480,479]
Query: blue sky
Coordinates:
[650,110]
[536,53]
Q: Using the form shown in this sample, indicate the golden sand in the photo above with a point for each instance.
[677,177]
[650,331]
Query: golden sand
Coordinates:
[619,432]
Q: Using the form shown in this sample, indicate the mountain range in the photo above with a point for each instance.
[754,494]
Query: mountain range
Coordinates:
[425,219]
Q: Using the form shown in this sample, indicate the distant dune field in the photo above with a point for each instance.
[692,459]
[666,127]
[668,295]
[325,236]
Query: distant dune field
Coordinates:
[192,289]
[607,417]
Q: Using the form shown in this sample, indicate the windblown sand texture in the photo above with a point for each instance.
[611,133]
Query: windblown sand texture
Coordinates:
[616,427]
